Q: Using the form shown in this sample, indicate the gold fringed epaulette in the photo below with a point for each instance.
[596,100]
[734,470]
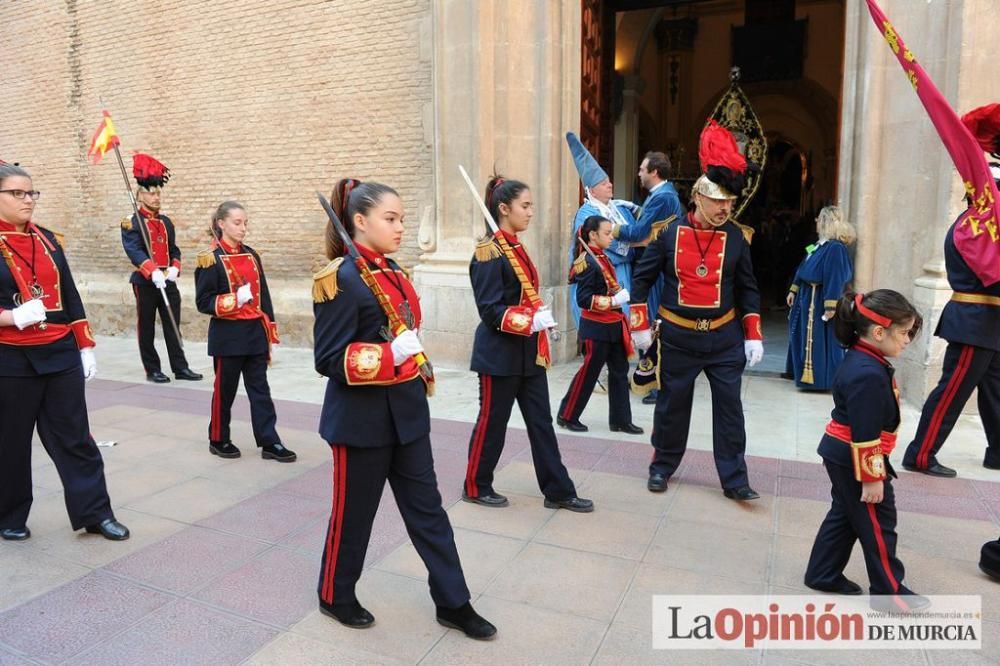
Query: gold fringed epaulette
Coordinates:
[747,231]
[487,250]
[325,282]
[60,237]
[127,223]
[580,264]
[657,227]
[206,259]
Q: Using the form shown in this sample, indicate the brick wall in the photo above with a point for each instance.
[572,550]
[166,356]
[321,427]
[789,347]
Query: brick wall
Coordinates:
[264,102]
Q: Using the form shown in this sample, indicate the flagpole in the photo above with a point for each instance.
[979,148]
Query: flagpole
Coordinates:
[144,233]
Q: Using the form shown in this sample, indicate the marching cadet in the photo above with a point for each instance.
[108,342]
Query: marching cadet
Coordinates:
[231,287]
[157,267]
[970,322]
[375,415]
[709,290]
[511,355]
[855,448]
[46,354]
[603,329]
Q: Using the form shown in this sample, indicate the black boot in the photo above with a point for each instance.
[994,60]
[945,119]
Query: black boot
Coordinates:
[351,615]
[466,620]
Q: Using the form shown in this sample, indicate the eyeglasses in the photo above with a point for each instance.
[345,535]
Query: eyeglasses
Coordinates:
[23,194]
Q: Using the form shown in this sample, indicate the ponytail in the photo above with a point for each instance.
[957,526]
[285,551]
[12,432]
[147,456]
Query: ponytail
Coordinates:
[857,313]
[220,214]
[499,190]
[350,197]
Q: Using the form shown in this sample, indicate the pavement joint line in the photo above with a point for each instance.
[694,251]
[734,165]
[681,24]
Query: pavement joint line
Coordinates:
[995,514]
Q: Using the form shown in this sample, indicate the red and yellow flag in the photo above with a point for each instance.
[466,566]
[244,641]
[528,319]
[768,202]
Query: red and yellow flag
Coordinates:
[105,138]
[977,236]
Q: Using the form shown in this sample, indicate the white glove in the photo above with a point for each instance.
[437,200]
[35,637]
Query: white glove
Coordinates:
[30,313]
[543,319]
[172,273]
[621,298]
[642,340]
[159,279]
[89,362]
[754,350]
[405,345]
[243,295]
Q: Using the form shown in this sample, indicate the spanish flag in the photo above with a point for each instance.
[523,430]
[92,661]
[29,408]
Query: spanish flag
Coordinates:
[977,235]
[105,138]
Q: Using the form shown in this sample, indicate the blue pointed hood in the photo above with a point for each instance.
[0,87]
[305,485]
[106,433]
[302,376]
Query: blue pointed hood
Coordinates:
[590,171]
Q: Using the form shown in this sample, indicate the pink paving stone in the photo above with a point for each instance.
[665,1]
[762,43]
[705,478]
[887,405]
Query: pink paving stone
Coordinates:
[990,491]
[316,483]
[308,539]
[268,516]
[277,587]
[804,489]
[76,616]
[187,560]
[802,470]
[940,505]
[183,633]
[11,659]
[571,458]
[634,466]
[928,485]
[587,444]
[459,429]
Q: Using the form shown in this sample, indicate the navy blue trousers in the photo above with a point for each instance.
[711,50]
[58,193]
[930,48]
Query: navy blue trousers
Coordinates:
[679,368]
[56,405]
[228,370]
[597,354]
[148,302]
[359,476]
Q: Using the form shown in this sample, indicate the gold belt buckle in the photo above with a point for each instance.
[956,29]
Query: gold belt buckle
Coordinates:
[703,325]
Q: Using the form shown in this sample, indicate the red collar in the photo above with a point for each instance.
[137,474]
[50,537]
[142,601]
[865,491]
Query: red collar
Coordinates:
[148,214]
[598,252]
[372,256]
[511,238]
[697,225]
[9,226]
[230,249]
[867,348]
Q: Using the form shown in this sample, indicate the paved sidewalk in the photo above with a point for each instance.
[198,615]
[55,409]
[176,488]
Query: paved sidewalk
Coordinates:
[224,558]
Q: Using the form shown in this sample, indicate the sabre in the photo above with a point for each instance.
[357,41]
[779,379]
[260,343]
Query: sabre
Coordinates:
[614,283]
[396,324]
[528,288]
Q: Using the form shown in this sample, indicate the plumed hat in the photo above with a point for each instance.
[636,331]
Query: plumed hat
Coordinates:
[723,167]
[148,171]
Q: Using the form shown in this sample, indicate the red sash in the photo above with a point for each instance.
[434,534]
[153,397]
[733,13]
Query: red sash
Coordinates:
[841,431]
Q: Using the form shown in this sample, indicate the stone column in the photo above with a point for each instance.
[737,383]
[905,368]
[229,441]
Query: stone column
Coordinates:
[506,89]
[627,156]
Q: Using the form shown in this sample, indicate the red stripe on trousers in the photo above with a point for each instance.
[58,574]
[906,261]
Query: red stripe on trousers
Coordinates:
[577,385]
[336,520]
[479,435]
[216,433]
[964,359]
[883,552]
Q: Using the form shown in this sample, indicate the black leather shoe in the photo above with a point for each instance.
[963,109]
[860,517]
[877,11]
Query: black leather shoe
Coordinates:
[109,529]
[223,449]
[899,603]
[990,464]
[657,483]
[649,399]
[628,429]
[466,620]
[572,426]
[277,452]
[157,377]
[495,500]
[742,494]
[15,534]
[577,504]
[188,374]
[937,469]
[845,586]
[351,615]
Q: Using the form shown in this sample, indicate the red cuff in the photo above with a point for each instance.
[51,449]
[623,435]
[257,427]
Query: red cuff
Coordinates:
[81,331]
[369,363]
[146,268]
[638,317]
[274,333]
[176,263]
[869,463]
[601,303]
[225,304]
[517,320]
[751,327]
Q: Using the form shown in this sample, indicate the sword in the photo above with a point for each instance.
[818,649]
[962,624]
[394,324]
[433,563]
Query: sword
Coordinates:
[617,287]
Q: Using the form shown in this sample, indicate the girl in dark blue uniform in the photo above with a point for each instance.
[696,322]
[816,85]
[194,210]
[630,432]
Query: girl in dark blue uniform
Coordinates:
[511,355]
[46,353]
[231,287]
[855,448]
[375,415]
[603,330]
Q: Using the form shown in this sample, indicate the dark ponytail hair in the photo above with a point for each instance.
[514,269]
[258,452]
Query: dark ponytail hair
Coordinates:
[350,197]
[591,224]
[220,214]
[501,191]
[849,324]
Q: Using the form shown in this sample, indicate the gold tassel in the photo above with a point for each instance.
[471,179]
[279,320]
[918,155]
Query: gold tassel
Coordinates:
[487,250]
[206,258]
[657,227]
[127,223]
[807,368]
[747,232]
[325,282]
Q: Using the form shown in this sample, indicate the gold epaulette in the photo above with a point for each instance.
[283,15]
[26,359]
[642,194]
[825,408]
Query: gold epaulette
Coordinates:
[60,238]
[206,259]
[657,227]
[747,231]
[127,223]
[580,264]
[325,282]
[487,250]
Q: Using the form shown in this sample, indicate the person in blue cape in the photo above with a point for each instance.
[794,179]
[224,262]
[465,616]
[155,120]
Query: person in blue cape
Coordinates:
[813,351]
[598,189]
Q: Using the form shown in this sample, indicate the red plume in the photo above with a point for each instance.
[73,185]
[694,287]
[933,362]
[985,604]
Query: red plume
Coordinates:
[148,171]
[984,124]
[718,148]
